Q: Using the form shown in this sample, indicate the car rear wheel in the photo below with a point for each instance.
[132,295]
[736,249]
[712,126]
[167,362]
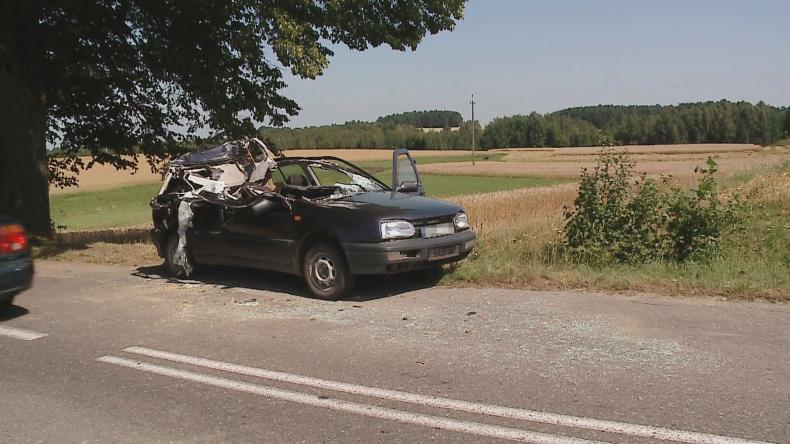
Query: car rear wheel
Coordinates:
[326,273]
[173,268]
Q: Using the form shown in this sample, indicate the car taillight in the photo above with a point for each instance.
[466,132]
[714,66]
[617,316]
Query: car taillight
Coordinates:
[13,239]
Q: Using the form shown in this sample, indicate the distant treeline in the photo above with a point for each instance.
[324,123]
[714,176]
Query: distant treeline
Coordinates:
[708,122]
[370,135]
[704,122]
[424,119]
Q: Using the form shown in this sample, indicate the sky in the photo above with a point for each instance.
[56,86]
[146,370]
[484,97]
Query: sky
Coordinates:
[520,56]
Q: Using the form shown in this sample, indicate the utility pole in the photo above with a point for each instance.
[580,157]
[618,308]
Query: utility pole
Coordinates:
[473,129]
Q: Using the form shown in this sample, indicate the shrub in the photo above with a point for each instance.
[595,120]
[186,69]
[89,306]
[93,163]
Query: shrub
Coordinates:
[698,219]
[622,216]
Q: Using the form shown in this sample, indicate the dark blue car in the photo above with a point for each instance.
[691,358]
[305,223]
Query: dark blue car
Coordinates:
[16,264]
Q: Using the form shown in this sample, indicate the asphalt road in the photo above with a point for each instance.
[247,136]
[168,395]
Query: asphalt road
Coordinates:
[110,354]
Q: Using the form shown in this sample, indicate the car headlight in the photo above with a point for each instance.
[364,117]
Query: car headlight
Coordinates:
[393,229]
[460,221]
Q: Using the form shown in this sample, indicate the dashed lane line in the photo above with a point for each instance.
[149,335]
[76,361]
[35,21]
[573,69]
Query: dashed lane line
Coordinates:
[348,406]
[638,430]
[19,333]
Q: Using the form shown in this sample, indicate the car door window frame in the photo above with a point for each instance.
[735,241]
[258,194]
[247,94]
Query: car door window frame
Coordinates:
[395,176]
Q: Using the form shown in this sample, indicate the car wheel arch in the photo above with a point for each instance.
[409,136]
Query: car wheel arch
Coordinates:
[314,238]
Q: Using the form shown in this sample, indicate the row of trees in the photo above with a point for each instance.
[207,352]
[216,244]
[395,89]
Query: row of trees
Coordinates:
[424,119]
[536,130]
[370,135]
[705,122]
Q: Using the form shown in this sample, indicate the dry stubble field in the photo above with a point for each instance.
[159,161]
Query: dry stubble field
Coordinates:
[102,177]
[676,160]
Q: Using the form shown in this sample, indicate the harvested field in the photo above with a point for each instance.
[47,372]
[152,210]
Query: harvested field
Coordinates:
[102,177]
[366,154]
[562,164]
[691,148]
[553,163]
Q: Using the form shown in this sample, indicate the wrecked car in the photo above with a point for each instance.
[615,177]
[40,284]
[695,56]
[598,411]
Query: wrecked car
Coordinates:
[323,218]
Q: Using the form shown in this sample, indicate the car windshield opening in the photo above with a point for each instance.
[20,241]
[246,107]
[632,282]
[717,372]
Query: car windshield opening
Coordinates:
[347,181]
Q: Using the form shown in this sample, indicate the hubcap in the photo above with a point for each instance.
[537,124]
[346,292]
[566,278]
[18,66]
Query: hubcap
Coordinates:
[323,271]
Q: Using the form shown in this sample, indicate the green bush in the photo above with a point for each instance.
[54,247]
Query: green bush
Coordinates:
[622,216]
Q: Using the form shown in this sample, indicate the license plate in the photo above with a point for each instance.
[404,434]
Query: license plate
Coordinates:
[443,252]
[438,230]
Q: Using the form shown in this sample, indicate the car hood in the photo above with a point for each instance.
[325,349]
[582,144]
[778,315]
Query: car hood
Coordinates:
[399,205]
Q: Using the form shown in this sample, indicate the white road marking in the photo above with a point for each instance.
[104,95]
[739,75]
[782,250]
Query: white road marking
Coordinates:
[350,407]
[18,333]
[452,404]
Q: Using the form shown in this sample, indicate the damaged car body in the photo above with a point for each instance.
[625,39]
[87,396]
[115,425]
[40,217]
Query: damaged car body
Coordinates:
[318,217]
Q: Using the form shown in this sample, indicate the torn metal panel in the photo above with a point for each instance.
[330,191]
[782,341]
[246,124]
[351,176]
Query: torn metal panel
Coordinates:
[184,222]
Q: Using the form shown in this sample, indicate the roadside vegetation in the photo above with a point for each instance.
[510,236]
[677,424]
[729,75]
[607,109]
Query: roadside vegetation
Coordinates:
[111,208]
[747,259]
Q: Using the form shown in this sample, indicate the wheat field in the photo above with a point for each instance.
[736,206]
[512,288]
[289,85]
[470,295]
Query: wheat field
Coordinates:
[676,160]
[102,177]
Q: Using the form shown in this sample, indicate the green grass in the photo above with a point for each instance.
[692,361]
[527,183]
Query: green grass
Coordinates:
[117,207]
[128,206]
[446,186]
[378,166]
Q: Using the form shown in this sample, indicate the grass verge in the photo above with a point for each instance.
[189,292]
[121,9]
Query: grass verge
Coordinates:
[92,210]
[518,251]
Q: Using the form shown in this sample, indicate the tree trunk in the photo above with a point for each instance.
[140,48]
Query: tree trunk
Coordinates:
[24,188]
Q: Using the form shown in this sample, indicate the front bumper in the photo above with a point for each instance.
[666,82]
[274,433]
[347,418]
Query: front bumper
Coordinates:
[16,275]
[406,255]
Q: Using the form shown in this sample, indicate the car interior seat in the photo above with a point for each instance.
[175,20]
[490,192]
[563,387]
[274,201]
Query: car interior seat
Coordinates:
[297,180]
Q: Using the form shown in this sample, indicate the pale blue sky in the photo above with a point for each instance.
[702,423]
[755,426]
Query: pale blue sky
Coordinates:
[519,56]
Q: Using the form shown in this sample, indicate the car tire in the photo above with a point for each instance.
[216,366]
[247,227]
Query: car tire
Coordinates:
[326,272]
[174,269]
[6,303]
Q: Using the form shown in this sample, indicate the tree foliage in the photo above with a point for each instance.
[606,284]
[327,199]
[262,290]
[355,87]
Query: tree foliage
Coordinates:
[126,74]
[536,130]
[370,135]
[122,77]
[424,119]
[705,122]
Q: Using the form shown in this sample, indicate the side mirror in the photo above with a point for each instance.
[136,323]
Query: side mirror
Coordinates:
[408,187]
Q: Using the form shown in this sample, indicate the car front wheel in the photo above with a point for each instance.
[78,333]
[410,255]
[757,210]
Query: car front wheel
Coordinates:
[6,303]
[326,273]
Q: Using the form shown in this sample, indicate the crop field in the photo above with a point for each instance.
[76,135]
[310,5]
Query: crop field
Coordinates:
[677,160]
[102,177]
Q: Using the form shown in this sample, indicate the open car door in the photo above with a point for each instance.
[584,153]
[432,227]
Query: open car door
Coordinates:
[405,177]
